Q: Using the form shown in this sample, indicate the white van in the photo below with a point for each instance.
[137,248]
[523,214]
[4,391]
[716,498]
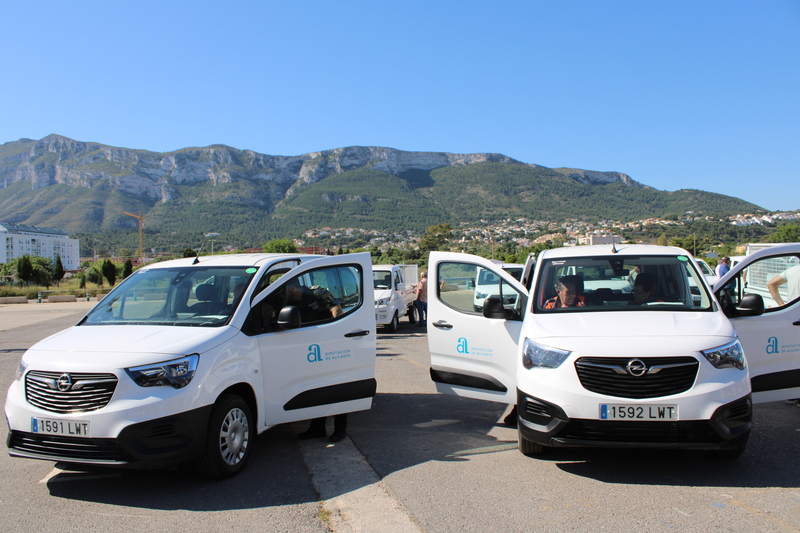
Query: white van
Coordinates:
[623,367]
[187,360]
[394,294]
[487,284]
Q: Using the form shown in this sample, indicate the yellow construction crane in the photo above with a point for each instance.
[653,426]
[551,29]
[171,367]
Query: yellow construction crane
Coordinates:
[141,223]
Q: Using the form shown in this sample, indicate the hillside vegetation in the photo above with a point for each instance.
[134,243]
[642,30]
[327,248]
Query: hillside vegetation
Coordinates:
[249,198]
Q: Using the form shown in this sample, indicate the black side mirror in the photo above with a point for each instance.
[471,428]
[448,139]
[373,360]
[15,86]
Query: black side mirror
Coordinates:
[493,308]
[751,305]
[289,317]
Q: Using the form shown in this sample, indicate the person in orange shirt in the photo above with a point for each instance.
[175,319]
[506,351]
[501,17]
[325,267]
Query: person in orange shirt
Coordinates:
[567,293]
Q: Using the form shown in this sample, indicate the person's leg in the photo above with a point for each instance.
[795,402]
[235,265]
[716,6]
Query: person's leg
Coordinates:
[339,428]
[316,430]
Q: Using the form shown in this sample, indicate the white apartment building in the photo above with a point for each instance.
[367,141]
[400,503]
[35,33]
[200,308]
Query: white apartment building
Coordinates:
[20,239]
[599,238]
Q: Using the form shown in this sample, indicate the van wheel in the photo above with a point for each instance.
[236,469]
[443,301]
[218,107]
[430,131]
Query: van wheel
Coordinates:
[392,327]
[729,453]
[529,448]
[228,438]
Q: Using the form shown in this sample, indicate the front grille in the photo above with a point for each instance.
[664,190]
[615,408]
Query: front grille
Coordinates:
[665,376]
[651,432]
[99,450]
[69,392]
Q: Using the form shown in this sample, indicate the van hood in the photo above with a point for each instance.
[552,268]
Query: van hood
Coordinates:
[130,345]
[621,325]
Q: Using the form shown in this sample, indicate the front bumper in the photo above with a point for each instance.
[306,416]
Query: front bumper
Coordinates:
[547,424]
[156,443]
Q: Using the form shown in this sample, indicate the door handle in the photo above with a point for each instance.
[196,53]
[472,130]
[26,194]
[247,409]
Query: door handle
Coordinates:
[357,333]
[441,324]
[797,323]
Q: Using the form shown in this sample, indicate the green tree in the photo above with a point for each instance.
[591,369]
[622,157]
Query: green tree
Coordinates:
[436,237]
[280,246]
[786,233]
[58,270]
[109,271]
[25,269]
[188,252]
[127,268]
[42,271]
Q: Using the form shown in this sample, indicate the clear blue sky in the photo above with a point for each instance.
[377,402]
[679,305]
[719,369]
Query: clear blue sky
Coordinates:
[676,94]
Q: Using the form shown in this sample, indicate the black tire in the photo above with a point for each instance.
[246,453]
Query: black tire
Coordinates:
[228,438]
[411,314]
[393,325]
[529,448]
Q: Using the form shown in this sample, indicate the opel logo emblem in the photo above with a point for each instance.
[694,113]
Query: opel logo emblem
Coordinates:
[64,382]
[636,367]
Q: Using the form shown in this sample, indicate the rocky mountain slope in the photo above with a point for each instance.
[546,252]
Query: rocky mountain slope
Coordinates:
[87,187]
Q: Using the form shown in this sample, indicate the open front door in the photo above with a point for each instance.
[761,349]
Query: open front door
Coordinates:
[472,355]
[771,340]
[315,331]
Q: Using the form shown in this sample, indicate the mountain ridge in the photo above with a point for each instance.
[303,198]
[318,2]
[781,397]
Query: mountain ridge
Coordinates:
[87,187]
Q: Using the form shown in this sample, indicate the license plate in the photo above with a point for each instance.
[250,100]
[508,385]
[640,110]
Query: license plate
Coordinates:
[67,428]
[622,411]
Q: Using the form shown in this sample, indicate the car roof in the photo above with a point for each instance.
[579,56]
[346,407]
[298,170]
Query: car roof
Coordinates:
[231,260]
[615,249]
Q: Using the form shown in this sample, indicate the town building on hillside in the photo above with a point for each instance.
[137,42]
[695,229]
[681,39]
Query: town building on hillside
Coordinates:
[21,239]
[604,238]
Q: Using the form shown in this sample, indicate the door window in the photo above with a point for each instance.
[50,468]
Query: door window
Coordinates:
[466,286]
[321,295]
[776,279]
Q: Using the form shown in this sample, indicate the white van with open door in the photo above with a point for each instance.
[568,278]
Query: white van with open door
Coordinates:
[589,362]
[187,360]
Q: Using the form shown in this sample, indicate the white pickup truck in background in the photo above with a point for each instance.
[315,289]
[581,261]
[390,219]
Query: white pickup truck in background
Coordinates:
[394,294]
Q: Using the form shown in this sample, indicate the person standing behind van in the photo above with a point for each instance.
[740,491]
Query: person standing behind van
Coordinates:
[790,276]
[421,303]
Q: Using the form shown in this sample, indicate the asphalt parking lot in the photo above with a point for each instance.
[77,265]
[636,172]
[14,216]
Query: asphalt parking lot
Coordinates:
[417,461]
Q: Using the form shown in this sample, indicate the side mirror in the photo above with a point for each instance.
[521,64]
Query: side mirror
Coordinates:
[751,305]
[401,286]
[493,308]
[289,317]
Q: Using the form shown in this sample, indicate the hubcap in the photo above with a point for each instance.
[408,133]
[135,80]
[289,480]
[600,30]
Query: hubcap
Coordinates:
[234,436]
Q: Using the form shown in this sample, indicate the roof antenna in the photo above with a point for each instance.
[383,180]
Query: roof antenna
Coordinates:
[614,248]
[197,257]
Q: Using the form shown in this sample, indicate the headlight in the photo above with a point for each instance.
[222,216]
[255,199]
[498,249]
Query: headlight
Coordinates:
[384,301]
[177,373]
[730,355]
[21,370]
[481,295]
[535,355]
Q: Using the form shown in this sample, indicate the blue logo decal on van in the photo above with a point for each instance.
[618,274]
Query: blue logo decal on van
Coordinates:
[314,353]
[462,346]
[772,345]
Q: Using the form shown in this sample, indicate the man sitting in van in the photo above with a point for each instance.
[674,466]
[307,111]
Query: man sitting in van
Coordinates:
[644,289]
[567,293]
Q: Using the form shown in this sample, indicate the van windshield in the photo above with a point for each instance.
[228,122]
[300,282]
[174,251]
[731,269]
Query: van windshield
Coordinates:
[180,296]
[614,283]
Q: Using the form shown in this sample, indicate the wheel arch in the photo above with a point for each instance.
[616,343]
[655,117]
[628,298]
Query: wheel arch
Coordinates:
[246,392]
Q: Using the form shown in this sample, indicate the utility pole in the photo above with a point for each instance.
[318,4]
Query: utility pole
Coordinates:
[141,223]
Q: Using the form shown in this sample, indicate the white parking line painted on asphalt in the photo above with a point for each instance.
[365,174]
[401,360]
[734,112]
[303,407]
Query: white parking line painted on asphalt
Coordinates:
[352,492]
